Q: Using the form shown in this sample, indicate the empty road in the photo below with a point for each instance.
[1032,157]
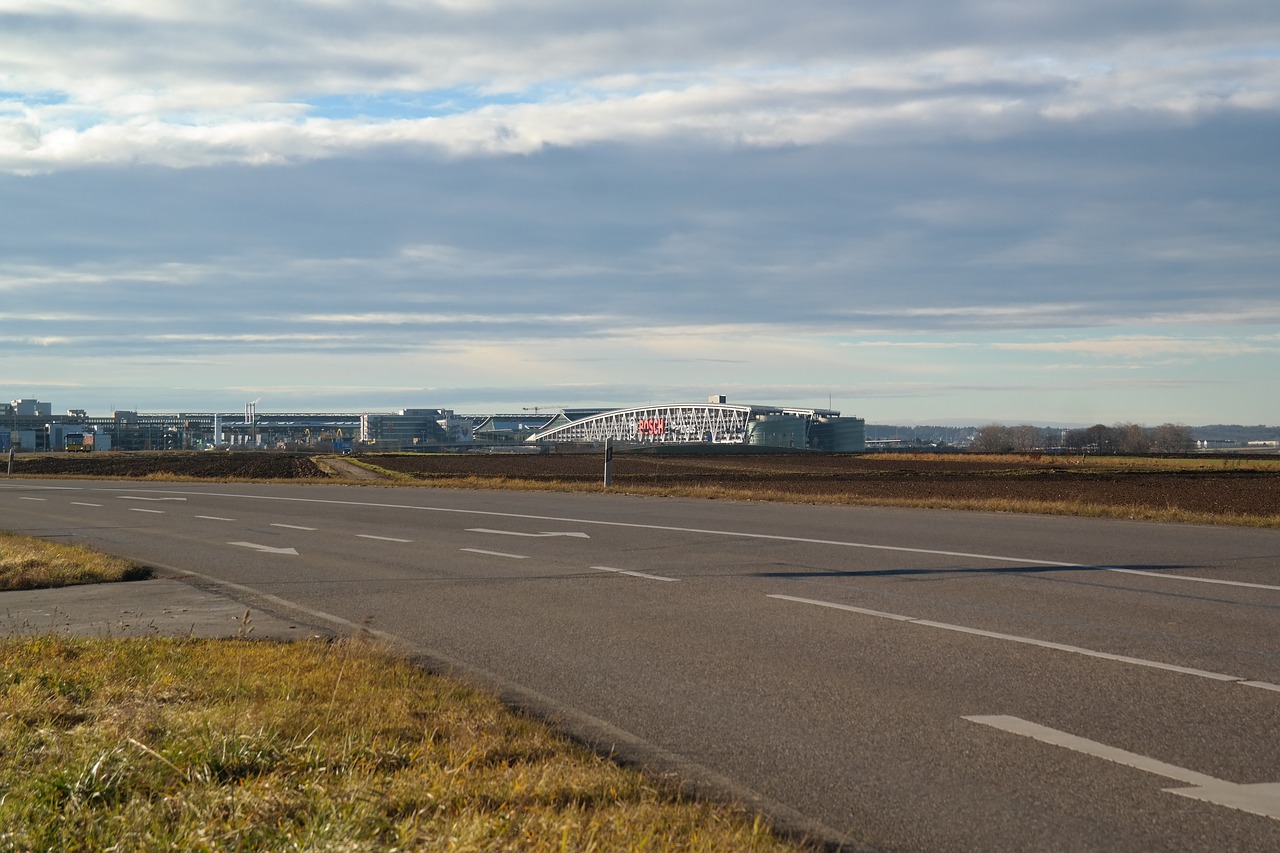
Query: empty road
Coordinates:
[898,679]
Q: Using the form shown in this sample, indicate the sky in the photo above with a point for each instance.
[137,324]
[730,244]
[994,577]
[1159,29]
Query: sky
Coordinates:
[932,212]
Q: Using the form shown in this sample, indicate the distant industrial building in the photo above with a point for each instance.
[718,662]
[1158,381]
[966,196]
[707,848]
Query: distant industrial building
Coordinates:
[29,425]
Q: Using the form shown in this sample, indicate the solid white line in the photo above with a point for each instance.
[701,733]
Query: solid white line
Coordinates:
[140,509]
[293,526]
[495,553]
[1045,644]
[572,535]
[1013,638]
[382,538]
[848,607]
[1264,685]
[1197,580]
[635,574]
[214,518]
[1017,726]
[82,503]
[736,534]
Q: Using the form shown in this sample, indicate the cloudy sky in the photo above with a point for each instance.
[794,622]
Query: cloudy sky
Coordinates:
[922,212]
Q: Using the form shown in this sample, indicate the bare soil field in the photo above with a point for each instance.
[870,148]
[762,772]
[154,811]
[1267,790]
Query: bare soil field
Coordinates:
[181,464]
[1233,489]
[1243,489]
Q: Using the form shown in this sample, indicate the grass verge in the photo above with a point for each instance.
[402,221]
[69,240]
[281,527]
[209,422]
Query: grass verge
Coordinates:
[189,744]
[27,563]
[192,744]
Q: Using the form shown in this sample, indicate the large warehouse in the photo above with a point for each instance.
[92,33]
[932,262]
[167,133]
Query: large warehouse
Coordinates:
[713,422]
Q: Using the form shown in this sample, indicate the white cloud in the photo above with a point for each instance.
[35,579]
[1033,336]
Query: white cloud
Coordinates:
[183,86]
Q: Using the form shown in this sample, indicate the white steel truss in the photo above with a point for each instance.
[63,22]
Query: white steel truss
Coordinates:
[706,422]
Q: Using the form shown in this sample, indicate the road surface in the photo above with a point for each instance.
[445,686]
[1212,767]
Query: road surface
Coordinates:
[898,679]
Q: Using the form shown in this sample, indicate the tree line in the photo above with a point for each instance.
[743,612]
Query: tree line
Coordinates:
[1099,438]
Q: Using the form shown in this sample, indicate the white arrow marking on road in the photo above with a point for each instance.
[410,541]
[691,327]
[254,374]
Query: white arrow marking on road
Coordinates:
[266,549]
[1262,798]
[520,533]
[140,498]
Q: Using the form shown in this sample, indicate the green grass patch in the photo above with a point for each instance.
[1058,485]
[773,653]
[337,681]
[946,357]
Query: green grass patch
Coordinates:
[27,563]
[188,744]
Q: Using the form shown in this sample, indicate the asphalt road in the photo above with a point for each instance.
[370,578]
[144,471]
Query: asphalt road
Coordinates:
[901,679]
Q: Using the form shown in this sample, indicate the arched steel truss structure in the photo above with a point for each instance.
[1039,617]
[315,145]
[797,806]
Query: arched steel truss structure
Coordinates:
[713,423]
[721,423]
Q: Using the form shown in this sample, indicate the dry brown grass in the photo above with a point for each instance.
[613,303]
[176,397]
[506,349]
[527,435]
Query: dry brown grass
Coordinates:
[233,745]
[27,563]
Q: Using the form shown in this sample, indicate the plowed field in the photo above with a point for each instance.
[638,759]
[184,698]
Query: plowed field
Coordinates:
[1233,489]
[201,466]
[1240,487]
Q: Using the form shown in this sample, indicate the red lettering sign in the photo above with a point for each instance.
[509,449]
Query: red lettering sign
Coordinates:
[651,426]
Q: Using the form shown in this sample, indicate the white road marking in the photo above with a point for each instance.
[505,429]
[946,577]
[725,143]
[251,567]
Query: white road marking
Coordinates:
[521,533]
[82,503]
[849,607]
[634,574]
[1013,638]
[1189,578]
[382,538]
[1264,685]
[141,498]
[293,526]
[769,537]
[1261,798]
[495,553]
[214,518]
[140,509]
[266,549]
[32,499]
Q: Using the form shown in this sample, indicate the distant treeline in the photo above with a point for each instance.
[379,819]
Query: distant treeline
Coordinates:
[1099,438]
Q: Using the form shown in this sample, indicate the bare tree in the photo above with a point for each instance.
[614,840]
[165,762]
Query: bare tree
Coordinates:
[1132,438]
[1172,438]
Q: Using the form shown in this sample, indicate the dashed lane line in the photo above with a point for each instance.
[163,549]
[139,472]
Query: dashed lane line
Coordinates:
[382,538]
[496,553]
[140,509]
[770,537]
[294,526]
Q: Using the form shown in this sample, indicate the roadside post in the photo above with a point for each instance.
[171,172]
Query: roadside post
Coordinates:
[608,462]
[10,473]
